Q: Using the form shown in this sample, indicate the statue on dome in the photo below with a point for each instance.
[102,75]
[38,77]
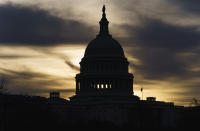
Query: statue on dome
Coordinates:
[104,9]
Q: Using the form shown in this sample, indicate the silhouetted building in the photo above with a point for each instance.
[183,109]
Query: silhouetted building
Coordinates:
[54,95]
[151,98]
[104,69]
[104,88]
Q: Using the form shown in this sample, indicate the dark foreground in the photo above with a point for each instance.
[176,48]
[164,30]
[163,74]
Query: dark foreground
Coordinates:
[38,113]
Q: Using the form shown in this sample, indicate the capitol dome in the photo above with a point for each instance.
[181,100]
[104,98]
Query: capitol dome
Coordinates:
[104,67]
[104,46]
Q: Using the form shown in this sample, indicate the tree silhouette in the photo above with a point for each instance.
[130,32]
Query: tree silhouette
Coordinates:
[194,102]
[3,82]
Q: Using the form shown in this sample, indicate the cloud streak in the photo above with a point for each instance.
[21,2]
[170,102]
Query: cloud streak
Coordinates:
[70,64]
[32,83]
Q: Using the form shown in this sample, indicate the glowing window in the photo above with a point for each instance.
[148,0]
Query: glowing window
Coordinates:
[98,86]
[106,86]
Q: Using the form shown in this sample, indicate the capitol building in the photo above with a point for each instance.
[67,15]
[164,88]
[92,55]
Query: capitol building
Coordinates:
[104,88]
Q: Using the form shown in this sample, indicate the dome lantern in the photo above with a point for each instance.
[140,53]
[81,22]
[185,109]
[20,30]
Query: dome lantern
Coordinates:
[104,23]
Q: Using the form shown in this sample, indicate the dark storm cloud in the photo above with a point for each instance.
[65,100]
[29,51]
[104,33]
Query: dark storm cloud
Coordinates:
[31,25]
[158,64]
[158,45]
[192,6]
[157,34]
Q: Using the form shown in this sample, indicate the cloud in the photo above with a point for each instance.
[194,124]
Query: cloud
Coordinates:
[14,56]
[155,33]
[23,74]
[32,83]
[74,67]
[158,46]
[192,6]
[33,26]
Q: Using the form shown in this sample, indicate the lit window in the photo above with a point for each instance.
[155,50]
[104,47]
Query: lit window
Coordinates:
[102,86]
[106,86]
[98,86]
